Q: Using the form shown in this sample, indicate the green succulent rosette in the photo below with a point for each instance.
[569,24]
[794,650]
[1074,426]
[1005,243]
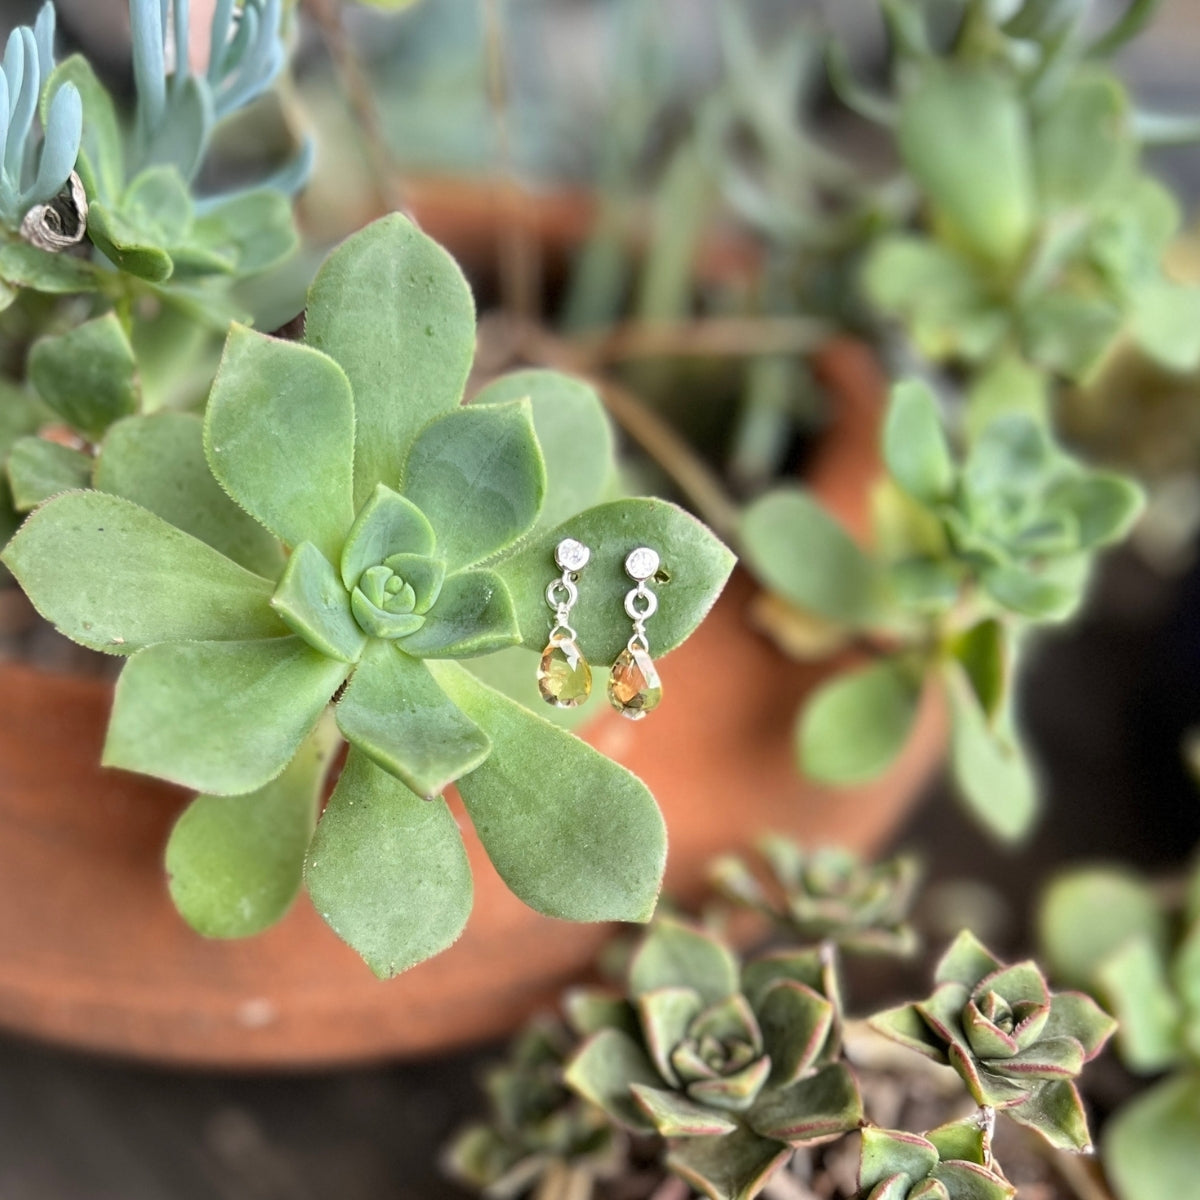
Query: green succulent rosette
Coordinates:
[951,1162]
[1017,1046]
[538,1131]
[735,1067]
[341,528]
[827,895]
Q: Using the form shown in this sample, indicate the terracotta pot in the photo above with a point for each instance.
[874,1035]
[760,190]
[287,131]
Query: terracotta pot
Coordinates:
[92,954]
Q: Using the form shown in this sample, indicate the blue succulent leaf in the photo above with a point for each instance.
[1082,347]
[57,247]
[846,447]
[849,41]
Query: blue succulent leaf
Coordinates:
[60,148]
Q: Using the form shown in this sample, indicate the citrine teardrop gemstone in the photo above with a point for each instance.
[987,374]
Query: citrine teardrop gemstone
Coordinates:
[564,676]
[634,688]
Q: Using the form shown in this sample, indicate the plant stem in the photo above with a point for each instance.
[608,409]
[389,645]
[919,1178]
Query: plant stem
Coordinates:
[356,88]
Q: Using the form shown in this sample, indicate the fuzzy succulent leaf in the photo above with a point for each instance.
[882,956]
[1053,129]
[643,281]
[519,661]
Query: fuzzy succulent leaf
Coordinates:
[87,375]
[38,469]
[235,863]
[574,433]
[695,565]
[853,728]
[158,461]
[312,603]
[220,717]
[387,870]
[573,834]
[674,1115]
[812,1110]
[801,552]
[734,1167]
[84,558]
[279,436]
[915,447]
[392,309]
[674,955]
[604,1071]
[386,524]
[396,714]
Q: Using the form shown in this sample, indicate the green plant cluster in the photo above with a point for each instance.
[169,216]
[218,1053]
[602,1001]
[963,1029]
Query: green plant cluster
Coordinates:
[730,1066]
[1041,236]
[339,527]
[1143,961]
[971,552]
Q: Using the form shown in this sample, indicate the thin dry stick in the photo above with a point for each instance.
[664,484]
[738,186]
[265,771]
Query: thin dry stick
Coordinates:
[356,88]
[520,264]
[690,473]
[718,337]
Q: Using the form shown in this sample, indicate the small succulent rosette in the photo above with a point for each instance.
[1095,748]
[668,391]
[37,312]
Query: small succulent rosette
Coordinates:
[735,1067]
[827,895]
[538,1132]
[1017,1046]
[952,1162]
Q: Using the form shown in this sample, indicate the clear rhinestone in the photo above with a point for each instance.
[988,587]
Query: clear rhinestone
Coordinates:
[572,555]
[641,563]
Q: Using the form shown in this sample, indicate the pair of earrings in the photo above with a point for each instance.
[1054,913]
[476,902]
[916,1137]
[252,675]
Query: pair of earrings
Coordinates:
[564,675]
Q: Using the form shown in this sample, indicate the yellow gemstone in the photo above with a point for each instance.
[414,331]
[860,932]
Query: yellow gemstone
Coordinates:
[634,688]
[564,677]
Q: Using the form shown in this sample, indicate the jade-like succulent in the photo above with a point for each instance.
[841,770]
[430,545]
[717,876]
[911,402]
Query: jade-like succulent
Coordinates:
[969,550]
[361,533]
[539,1134]
[1017,1046]
[733,1066]
[827,895]
[951,1162]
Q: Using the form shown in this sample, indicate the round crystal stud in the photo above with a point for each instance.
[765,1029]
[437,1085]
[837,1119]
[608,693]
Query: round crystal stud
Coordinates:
[571,555]
[641,564]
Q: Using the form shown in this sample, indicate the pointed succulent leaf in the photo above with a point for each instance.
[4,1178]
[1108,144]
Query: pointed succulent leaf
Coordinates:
[1054,1110]
[796,1023]
[970,1181]
[478,474]
[735,1092]
[575,436]
[799,966]
[387,524]
[853,728]
[982,652]
[604,1070]
[220,717]
[235,863]
[312,603]
[396,714]
[666,1013]
[572,833]
[252,231]
[279,436]
[676,1116]
[588,1010]
[114,577]
[674,955]
[87,375]
[387,870]
[963,135]
[802,553]
[1048,1058]
[393,310]
[158,461]
[894,1187]
[473,615]
[38,469]
[1150,1147]
[694,568]
[905,1025]
[810,1111]
[888,1152]
[915,447]
[1030,593]
[734,1167]
[1078,1017]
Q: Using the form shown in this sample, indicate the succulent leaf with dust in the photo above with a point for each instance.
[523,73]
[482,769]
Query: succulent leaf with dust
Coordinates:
[539,1135]
[415,539]
[1016,1045]
[952,1162]
[734,1065]
[827,895]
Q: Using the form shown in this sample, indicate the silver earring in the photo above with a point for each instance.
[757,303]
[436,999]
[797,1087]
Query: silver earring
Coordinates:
[564,677]
[634,688]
